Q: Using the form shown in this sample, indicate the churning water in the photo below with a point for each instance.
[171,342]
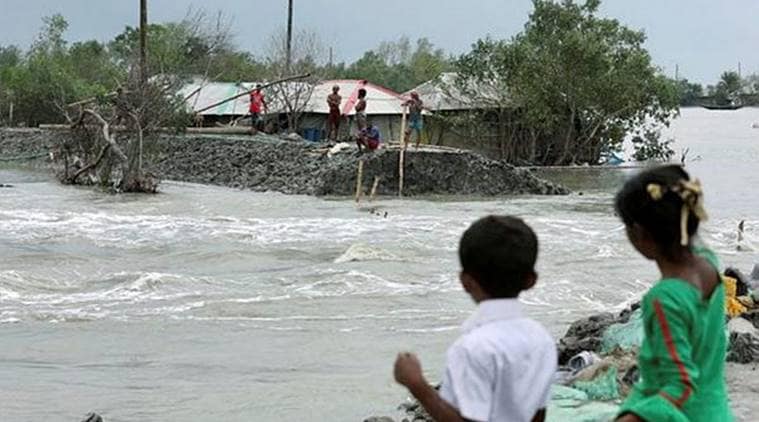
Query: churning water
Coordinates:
[203,303]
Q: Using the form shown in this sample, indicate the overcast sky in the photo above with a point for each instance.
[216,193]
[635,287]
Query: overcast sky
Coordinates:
[703,37]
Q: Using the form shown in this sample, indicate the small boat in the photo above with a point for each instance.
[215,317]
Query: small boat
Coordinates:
[722,106]
[732,104]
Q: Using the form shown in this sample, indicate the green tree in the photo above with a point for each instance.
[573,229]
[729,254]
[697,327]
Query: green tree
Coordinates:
[400,66]
[581,81]
[45,80]
[730,83]
[10,56]
[690,92]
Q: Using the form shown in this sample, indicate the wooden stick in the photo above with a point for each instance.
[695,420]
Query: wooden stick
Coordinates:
[291,78]
[359,181]
[403,125]
[373,194]
[91,165]
[107,134]
[402,152]
[91,99]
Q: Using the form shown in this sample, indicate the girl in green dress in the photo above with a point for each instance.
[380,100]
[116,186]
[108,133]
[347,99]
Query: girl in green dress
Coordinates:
[682,358]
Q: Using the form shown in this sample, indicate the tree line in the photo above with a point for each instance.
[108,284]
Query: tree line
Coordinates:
[731,86]
[52,71]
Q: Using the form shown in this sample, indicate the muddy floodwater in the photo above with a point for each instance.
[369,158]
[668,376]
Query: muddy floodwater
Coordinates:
[205,303]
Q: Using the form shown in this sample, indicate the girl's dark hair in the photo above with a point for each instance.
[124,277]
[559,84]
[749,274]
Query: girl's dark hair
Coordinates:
[654,200]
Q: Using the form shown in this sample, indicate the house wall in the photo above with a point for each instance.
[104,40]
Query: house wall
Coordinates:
[389,125]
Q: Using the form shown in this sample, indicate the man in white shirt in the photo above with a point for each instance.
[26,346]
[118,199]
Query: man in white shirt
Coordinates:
[502,366]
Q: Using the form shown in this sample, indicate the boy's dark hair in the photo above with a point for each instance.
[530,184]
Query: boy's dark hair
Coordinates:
[499,252]
[361,93]
[654,200]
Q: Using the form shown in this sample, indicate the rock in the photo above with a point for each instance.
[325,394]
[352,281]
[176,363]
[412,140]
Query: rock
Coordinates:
[584,335]
[753,317]
[379,419]
[92,417]
[2,185]
[293,137]
[744,341]
[587,334]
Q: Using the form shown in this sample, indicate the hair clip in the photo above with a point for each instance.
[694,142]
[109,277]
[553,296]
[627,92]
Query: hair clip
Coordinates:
[655,191]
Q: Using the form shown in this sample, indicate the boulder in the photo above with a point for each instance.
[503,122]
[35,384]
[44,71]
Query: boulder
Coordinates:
[584,335]
[92,417]
[744,341]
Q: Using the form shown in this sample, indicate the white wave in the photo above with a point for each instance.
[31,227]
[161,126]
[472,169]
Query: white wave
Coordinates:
[364,252]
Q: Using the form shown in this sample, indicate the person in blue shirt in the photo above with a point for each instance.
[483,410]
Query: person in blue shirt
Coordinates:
[369,138]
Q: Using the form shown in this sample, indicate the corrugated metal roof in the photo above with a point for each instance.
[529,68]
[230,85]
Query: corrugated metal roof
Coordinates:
[201,94]
[444,94]
[380,100]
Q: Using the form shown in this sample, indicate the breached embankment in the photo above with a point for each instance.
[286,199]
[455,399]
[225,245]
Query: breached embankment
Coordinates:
[268,163]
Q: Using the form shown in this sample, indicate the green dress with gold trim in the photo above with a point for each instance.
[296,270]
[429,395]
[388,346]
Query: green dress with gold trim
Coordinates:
[682,358]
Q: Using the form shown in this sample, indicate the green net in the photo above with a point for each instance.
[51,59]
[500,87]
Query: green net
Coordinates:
[569,404]
[625,336]
[602,387]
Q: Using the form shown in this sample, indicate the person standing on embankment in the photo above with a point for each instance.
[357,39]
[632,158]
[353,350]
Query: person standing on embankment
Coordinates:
[361,110]
[257,105]
[415,123]
[333,120]
[682,357]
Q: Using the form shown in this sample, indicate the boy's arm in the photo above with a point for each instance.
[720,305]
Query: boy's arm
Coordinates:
[408,372]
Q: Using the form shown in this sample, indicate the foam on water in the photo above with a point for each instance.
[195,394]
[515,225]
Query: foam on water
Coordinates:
[365,252]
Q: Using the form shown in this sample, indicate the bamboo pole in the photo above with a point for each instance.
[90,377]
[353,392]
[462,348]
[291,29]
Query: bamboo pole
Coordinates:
[402,152]
[288,53]
[10,115]
[373,194]
[143,42]
[359,181]
[291,78]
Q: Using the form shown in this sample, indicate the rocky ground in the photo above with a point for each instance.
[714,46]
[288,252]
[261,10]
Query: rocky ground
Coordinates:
[742,369]
[269,163]
[26,146]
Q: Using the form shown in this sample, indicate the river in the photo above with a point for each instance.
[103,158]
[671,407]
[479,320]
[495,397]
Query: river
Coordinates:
[204,303]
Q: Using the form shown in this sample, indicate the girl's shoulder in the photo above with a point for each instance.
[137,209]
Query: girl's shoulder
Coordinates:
[672,289]
[707,254]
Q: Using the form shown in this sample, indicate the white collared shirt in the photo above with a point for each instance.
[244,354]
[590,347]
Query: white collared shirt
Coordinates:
[502,366]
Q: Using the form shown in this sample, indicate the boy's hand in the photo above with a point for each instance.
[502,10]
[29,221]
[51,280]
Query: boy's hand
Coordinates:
[408,370]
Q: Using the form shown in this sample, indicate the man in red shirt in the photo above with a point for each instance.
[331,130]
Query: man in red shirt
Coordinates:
[257,105]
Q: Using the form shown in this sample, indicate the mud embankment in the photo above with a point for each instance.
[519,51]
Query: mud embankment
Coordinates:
[267,163]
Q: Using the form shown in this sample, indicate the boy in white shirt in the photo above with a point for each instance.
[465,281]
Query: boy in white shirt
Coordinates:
[502,366]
